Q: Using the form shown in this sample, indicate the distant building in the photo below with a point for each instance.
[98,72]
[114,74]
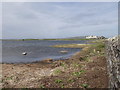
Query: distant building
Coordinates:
[91,37]
[101,37]
[95,37]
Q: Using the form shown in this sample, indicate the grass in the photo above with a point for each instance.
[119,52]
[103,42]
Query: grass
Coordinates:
[62,86]
[85,85]
[42,86]
[98,44]
[58,81]
[76,65]
[25,88]
[76,68]
[71,46]
[71,80]
[97,41]
[63,64]
[9,78]
[87,58]
[98,48]
[58,71]
[78,73]
[1,81]
[66,39]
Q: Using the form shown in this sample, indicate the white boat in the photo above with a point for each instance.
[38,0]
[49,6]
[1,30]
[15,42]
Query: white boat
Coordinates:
[24,53]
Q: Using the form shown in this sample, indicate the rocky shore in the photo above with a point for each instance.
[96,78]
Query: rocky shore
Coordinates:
[85,69]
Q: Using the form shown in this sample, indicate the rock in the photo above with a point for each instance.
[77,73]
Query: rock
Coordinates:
[48,60]
[80,58]
[98,51]
[94,50]
[113,60]
[64,51]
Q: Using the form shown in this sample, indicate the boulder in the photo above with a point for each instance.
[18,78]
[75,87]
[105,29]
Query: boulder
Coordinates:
[48,60]
[64,51]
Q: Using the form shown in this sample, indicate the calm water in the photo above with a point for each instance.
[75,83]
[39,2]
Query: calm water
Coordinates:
[37,50]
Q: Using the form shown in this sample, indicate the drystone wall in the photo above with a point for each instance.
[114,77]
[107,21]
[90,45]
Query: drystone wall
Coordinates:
[113,59]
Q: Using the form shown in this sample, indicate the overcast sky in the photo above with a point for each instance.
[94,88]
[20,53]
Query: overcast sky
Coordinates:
[59,20]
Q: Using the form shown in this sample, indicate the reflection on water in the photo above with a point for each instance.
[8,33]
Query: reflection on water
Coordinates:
[36,50]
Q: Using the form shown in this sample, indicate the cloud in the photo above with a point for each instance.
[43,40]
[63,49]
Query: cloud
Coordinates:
[55,19]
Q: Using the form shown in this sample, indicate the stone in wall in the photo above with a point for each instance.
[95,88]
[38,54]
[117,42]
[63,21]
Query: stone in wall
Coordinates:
[113,59]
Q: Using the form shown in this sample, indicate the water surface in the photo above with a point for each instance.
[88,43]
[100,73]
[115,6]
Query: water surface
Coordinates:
[36,50]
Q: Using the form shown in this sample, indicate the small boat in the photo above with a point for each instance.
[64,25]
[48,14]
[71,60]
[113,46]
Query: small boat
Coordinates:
[24,53]
[64,51]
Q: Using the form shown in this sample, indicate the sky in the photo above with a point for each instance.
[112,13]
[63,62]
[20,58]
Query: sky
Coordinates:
[58,19]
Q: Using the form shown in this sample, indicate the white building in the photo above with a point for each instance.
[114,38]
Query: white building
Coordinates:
[91,37]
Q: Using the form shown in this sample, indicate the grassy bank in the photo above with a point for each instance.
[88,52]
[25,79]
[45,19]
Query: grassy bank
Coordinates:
[67,39]
[96,43]
[86,69]
[71,46]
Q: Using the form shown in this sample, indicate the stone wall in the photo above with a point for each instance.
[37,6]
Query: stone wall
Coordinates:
[113,59]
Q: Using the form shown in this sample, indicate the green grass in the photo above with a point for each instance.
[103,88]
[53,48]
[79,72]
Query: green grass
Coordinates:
[76,65]
[58,71]
[63,64]
[85,85]
[25,88]
[42,86]
[62,86]
[78,73]
[66,39]
[71,80]
[1,81]
[98,48]
[58,81]
[9,78]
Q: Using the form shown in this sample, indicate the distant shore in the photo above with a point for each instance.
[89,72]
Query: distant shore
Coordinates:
[42,39]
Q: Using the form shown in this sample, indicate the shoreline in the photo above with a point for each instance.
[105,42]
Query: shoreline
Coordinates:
[86,68]
[81,46]
[43,39]
[44,60]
